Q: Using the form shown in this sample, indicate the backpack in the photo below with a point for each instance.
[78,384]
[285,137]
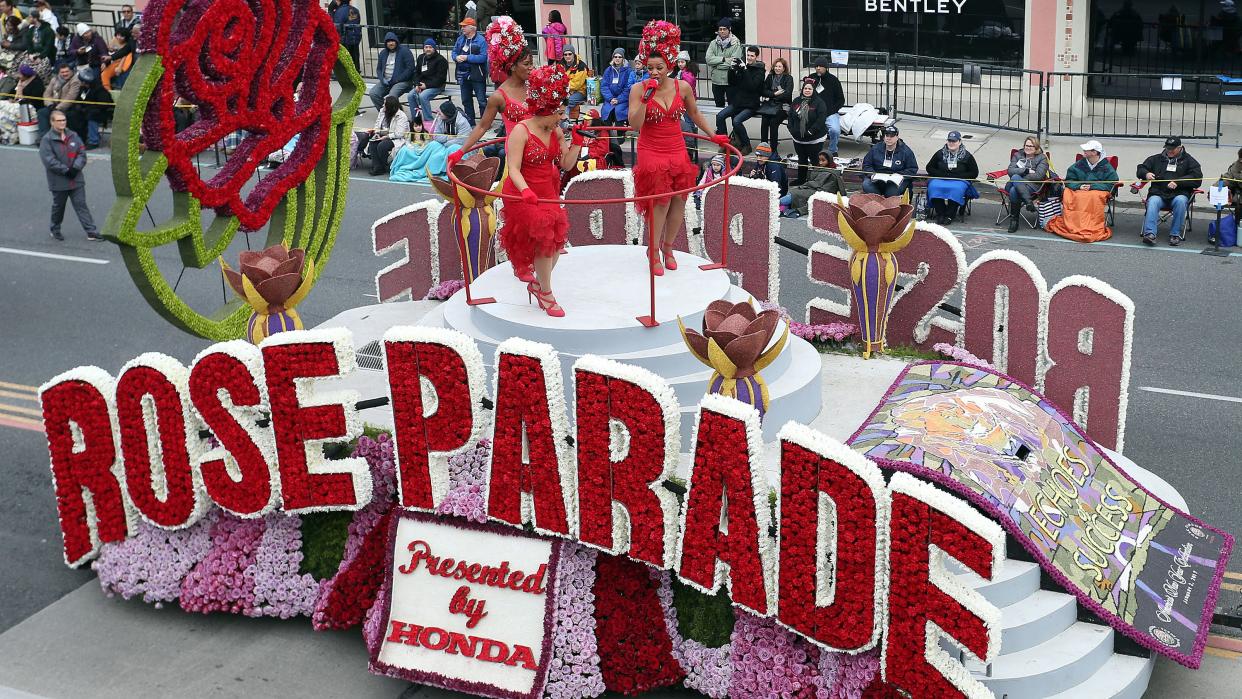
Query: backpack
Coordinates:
[351,31]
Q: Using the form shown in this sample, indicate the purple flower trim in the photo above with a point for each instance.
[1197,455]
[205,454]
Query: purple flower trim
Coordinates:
[812,332]
[468,483]
[846,676]
[279,590]
[574,671]
[444,290]
[708,670]
[153,562]
[769,661]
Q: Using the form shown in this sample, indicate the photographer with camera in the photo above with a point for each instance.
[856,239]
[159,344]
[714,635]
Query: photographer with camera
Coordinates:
[745,87]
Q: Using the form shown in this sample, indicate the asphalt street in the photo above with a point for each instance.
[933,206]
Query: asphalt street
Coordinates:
[71,303]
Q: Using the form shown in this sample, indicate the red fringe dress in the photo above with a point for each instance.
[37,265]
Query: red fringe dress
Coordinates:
[663,161]
[515,111]
[538,230]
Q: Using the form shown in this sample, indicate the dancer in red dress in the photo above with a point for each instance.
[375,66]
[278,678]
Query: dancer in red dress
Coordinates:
[534,231]
[656,108]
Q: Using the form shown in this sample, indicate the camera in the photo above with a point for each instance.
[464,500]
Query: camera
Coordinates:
[737,62]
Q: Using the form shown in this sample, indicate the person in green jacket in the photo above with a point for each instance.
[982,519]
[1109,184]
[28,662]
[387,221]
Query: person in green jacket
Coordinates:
[724,52]
[1092,171]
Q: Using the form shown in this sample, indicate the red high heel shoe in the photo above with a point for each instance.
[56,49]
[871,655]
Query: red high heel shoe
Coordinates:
[670,262]
[547,302]
[526,274]
[653,258]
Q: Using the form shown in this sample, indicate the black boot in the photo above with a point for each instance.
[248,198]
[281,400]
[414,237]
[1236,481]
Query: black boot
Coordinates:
[1015,210]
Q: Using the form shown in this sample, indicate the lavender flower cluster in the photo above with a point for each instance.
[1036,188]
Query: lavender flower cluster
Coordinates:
[769,661]
[812,332]
[574,672]
[467,481]
[848,675]
[961,355]
[279,589]
[444,290]
[153,562]
[219,582]
[708,670]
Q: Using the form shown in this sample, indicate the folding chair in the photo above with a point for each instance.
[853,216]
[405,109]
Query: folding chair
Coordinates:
[918,196]
[1110,210]
[1166,211]
[1040,195]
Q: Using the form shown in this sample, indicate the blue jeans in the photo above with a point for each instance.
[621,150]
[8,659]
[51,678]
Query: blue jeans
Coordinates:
[887,189]
[1156,204]
[786,200]
[739,118]
[834,132]
[378,92]
[476,89]
[422,102]
[92,132]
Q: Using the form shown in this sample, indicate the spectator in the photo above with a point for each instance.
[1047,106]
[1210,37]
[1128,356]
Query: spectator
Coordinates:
[333,6]
[777,95]
[21,84]
[63,42]
[450,126]
[1172,175]
[640,70]
[807,127]
[7,10]
[64,157]
[890,165]
[714,171]
[578,72]
[64,86]
[745,85]
[388,135]
[93,109]
[615,89]
[349,28]
[1028,170]
[430,76]
[41,37]
[119,63]
[30,87]
[825,179]
[394,74]
[723,52]
[1088,184]
[14,38]
[45,13]
[688,71]
[766,168]
[1233,180]
[88,47]
[128,21]
[553,32]
[829,90]
[470,55]
[946,197]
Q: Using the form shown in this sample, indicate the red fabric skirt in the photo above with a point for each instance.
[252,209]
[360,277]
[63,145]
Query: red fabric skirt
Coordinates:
[531,231]
[662,171]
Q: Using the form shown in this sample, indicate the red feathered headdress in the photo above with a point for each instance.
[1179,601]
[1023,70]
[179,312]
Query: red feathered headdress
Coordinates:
[547,89]
[660,38]
[505,45]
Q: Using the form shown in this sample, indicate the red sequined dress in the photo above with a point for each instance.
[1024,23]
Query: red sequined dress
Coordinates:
[514,113]
[663,162]
[535,230]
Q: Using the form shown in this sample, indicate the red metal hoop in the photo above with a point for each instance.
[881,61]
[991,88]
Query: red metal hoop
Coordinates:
[646,320]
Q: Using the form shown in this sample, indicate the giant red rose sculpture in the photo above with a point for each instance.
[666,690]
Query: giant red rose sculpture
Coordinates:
[263,67]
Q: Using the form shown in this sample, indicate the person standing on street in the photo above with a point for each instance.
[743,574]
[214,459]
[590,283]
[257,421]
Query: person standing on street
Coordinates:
[64,156]
[349,27]
[723,53]
[470,55]
[828,88]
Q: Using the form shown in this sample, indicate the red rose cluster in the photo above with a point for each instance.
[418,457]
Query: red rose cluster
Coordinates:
[635,651]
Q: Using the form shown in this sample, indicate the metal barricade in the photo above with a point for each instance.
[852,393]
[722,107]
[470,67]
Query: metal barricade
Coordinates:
[967,92]
[1133,105]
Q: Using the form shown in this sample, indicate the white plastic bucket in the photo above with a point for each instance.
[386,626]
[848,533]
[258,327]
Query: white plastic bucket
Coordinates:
[28,134]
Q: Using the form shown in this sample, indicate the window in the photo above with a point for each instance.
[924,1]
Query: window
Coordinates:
[1160,36]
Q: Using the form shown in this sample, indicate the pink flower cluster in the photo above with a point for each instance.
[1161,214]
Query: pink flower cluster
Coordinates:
[444,290]
[848,675]
[153,561]
[279,589]
[769,661]
[813,332]
[219,582]
[708,670]
[467,483]
[574,672]
[961,355]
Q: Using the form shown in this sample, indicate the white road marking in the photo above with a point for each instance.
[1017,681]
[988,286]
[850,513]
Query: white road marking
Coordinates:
[1190,394]
[54,256]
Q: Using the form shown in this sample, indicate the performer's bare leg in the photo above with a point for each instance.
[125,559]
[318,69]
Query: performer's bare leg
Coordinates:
[659,218]
[672,225]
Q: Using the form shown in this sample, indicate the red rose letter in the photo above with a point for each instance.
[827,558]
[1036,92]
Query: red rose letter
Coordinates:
[530,412]
[644,410]
[308,481]
[235,369]
[152,410]
[431,427]
[834,526]
[727,469]
[922,592]
[77,417]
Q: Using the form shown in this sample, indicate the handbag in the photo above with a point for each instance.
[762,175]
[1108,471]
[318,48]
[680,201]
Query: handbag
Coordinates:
[769,109]
[1228,231]
[1048,208]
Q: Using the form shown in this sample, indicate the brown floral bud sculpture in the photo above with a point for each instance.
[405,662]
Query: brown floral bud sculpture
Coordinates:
[875,227]
[271,282]
[734,343]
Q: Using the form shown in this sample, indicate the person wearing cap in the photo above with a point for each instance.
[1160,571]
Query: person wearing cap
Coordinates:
[828,87]
[765,168]
[450,125]
[957,167]
[1028,170]
[430,75]
[1084,201]
[470,55]
[891,156]
[348,23]
[93,107]
[1172,176]
[687,70]
[723,52]
[578,72]
[615,90]
[87,46]
[394,74]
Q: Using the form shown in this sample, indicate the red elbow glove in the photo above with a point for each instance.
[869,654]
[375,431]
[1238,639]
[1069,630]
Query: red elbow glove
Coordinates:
[721,139]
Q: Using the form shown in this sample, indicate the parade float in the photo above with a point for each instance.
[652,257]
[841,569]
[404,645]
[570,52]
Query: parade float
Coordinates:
[514,505]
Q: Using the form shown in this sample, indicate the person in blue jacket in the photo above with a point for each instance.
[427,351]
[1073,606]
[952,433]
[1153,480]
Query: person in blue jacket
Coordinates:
[890,157]
[615,90]
[394,73]
[470,56]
